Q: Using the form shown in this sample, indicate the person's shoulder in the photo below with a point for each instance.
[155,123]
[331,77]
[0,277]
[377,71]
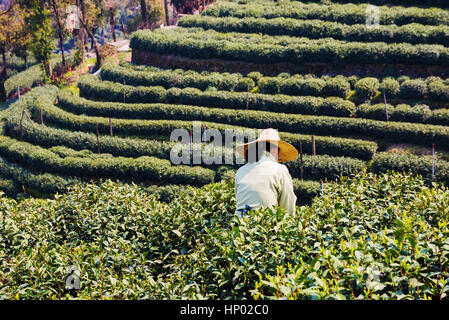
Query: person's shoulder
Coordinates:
[241,169]
[280,166]
[282,169]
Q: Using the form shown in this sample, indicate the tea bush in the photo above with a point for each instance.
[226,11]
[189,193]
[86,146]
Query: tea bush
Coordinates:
[110,91]
[315,29]
[324,125]
[366,88]
[438,91]
[25,79]
[430,3]
[343,13]
[413,89]
[390,87]
[142,168]
[129,147]
[174,78]
[296,85]
[9,187]
[419,113]
[394,245]
[44,183]
[128,245]
[415,164]
[325,145]
[205,44]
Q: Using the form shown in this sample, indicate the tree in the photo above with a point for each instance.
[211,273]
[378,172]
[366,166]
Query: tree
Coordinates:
[60,30]
[6,7]
[99,60]
[12,25]
[186,6]
[167,20]
[144,11]
[42,34]
[111,7]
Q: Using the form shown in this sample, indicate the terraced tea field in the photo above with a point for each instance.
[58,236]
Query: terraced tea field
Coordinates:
[359,94]
[119,125]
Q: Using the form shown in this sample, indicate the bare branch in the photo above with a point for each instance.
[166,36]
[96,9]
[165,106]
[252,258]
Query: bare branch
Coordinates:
[5,11]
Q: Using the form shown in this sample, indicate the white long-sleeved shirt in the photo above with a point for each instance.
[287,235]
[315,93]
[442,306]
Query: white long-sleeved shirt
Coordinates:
[265,183]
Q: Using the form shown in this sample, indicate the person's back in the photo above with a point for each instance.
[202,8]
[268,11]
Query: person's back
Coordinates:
[264,183]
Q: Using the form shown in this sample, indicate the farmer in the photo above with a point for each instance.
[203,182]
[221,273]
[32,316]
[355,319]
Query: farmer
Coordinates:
[263,181]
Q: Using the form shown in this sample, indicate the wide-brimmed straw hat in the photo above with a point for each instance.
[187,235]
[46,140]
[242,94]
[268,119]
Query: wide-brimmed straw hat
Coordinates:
[287,152]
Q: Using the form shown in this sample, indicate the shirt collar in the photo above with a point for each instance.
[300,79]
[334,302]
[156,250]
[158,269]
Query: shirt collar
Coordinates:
[267,156]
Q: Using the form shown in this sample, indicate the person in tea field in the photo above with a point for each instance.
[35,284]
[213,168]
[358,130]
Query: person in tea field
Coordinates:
[263,181]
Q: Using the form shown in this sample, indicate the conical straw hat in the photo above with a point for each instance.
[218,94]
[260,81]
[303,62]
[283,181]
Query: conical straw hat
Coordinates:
[287,152]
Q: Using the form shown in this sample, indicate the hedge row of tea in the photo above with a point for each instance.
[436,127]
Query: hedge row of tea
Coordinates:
[111,91]
[52,165]
[310,124]
[75,130]
[389,248]
[260,48]
[430,3]
[343,13]
[316,29]
[403,88]
[406,88]
[138,147]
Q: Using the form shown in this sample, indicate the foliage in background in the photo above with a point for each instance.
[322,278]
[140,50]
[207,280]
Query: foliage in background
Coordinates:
[42,35]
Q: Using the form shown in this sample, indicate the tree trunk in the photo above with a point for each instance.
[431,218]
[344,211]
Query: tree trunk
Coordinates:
[83,32]
[123,28]
[91,42]
[3,74]
[102,38]
[112,22]
[167,19]
[25,58]
[3,95]
[99,61]
[47,68]
[60,33]
[144,11]
[175,18]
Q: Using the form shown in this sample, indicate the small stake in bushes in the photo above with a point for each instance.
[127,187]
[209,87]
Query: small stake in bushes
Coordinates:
[24,113]
[98,140]
[21,126]
[321,187]
[313,145]
[110,126]
[191,147]
[301,161]
[247,98]
[386,109]
[28,117]
[18,92]
[42,117]
[433,162]
[124,90]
